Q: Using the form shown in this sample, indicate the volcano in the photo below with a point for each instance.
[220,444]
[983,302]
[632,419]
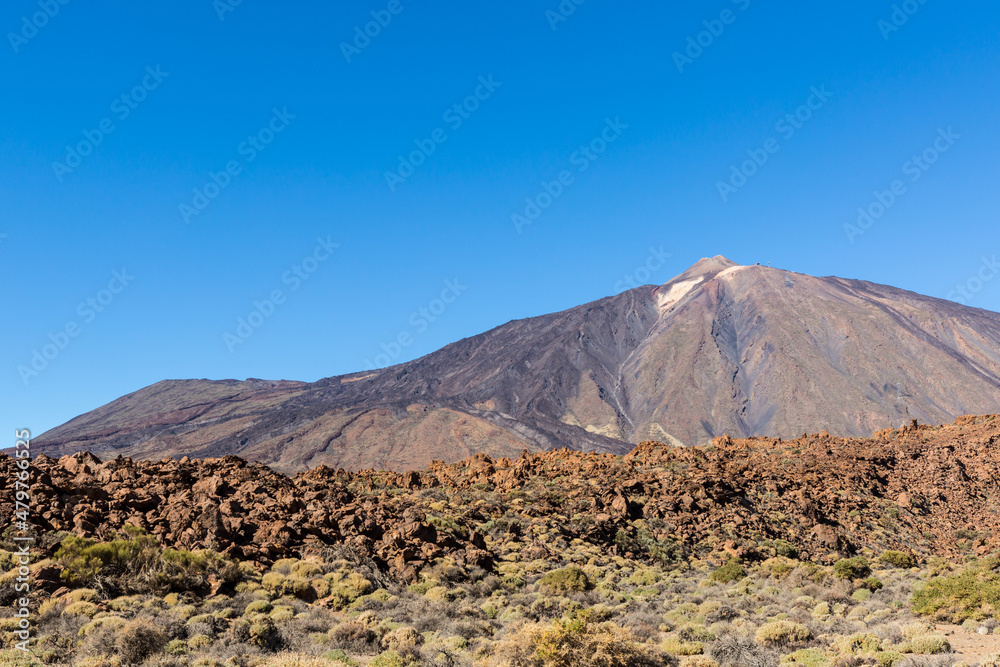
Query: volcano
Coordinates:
[720,349]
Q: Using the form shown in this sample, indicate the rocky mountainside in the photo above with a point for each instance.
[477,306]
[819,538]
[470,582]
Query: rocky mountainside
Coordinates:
[720,349]
[920,489]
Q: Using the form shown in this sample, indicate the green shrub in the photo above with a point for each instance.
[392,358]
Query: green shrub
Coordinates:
[888,658]
[264,633]
[862,643]
[782,633]
[677,646]
[781,548]
[871,583]
[730,572]
[306,569]
[81,595]
[258,607]
[807,657]
[565,580]
[80,609]
[929,644]
[645,546]
[897,559]
[961,596]
[137,564]
[852,568]
[575,642]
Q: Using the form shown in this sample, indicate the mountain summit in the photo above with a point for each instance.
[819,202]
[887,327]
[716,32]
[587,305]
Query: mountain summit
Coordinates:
[721,348]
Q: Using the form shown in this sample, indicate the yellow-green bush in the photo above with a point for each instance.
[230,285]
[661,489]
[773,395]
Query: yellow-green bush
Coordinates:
[863,643]
[807,657]
[81,595]
[852,568]
[968,594]
[677,646]
[109,622]
[574,642]
[730,572]
[928,644]
[897,559]
[80,609]
[565,580]
[258,607]
[781,633]
[697,661]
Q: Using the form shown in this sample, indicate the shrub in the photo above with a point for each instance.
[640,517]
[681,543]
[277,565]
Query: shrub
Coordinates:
[739,651]
[389,659]
[861,643]
[929,644]
[306,569]
[80,609]
[137,564]
[643,545]
[807,657]
[897,559]
[698,661]
[677,646]
[852,568]
[265,634]
[81,595]
[258,607]
[113,623]
[566,580]
[355,637]
[295,660]
[730,572]
[139,640]
[961,596]
[575,642]
[871,583]
[781,633]
[888,658]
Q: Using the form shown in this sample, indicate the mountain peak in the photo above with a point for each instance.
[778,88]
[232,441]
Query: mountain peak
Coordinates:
[703,270]
[712,264]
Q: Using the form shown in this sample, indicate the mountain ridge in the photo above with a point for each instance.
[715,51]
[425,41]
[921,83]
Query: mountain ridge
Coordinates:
[721,348]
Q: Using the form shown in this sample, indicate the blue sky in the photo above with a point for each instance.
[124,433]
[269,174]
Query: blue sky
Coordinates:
[621,124]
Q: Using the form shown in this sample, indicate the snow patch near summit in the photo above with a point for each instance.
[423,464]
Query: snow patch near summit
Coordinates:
[666,301]
[730,271]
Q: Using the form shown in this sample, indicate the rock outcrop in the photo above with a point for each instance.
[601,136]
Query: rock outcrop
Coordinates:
[926,490]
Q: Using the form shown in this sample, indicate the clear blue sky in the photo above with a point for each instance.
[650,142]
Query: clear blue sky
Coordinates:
[551,86]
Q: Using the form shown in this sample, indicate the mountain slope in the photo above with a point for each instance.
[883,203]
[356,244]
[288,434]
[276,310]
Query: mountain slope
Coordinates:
[721,348]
